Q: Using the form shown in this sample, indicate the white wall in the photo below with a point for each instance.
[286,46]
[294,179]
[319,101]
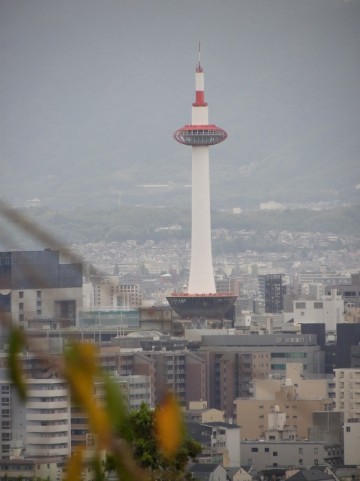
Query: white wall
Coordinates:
[352,443]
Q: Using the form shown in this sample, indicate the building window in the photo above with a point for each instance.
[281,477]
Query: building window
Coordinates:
[254,450]
[21,306]
[38,294]
[21,317]
[267,450]
[316,450]
[318,305]
[348,429]
[275,453]
[21,294]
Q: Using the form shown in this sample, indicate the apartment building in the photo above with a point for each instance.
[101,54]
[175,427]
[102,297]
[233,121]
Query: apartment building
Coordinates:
[36,285]
[27,469]
[41,425]
[296,397]
[220,442]
[329,310]
[284,349]
[349,291]
[48,418]
[135,390]
[347,392]
[182,372]
[108,291]
[272,289]
[232,375]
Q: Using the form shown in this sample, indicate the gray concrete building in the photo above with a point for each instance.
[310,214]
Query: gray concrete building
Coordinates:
[263,455]
[284,349]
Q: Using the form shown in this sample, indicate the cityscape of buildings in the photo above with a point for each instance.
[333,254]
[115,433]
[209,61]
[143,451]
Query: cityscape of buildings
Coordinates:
[276,383]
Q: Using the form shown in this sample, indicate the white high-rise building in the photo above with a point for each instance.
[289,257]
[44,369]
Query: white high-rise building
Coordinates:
[40,426]
[329,311]
[48,418]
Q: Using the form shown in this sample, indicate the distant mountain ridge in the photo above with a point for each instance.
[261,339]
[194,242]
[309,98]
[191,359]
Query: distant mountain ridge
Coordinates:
[92,93]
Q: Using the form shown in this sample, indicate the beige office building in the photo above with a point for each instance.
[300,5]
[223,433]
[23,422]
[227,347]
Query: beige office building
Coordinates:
[347,392]
[298,398]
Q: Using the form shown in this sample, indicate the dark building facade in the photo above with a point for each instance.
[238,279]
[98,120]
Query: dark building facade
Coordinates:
[272,290]
[347,336]
[36,285]
[349,292]
[36,270]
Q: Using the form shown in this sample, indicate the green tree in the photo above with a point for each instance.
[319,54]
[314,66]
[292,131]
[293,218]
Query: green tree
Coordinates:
[143,439]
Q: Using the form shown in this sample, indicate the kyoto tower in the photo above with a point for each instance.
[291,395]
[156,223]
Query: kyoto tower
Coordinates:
[201,299]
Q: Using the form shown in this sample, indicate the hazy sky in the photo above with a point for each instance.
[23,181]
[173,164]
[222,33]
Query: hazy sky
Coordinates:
[91,87]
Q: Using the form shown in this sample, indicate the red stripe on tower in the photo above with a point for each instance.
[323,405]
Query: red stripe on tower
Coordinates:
[200,98]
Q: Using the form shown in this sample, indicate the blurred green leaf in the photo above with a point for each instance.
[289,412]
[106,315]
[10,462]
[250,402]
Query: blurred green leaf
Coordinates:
[16,344]
[116,408]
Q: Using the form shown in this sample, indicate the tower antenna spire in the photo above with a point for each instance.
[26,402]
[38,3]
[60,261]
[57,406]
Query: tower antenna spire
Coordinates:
[199,68]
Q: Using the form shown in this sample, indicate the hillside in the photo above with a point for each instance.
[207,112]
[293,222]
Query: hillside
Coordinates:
[148,223]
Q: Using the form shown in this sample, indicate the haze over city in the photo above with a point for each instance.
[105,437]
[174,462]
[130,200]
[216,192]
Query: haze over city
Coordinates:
[91,93]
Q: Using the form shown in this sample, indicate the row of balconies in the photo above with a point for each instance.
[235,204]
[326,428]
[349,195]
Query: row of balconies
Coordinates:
[50,405]
[40,393]
[37,451]
[48,417]
[47,440]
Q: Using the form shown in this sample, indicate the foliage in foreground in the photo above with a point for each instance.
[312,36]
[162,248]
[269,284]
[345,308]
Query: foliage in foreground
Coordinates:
[143,444]
[140,446]
[144,439]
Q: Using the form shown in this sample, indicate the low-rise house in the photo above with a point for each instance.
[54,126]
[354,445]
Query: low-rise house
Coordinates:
[208,472]
[28,469]
[239,474]
[311,475]
[220,442]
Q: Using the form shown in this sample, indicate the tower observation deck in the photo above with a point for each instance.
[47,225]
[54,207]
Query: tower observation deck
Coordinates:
[201,299]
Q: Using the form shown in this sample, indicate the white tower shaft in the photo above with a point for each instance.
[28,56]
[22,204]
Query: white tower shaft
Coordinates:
[201,279]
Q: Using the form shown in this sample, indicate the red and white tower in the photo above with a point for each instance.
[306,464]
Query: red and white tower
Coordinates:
[201,299]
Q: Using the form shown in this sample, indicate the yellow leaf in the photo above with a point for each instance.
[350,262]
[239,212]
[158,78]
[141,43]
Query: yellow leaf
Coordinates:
[81,370]
[169,426]
[74,465]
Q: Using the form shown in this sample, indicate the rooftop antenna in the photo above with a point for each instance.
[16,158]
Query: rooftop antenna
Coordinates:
[199,68]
